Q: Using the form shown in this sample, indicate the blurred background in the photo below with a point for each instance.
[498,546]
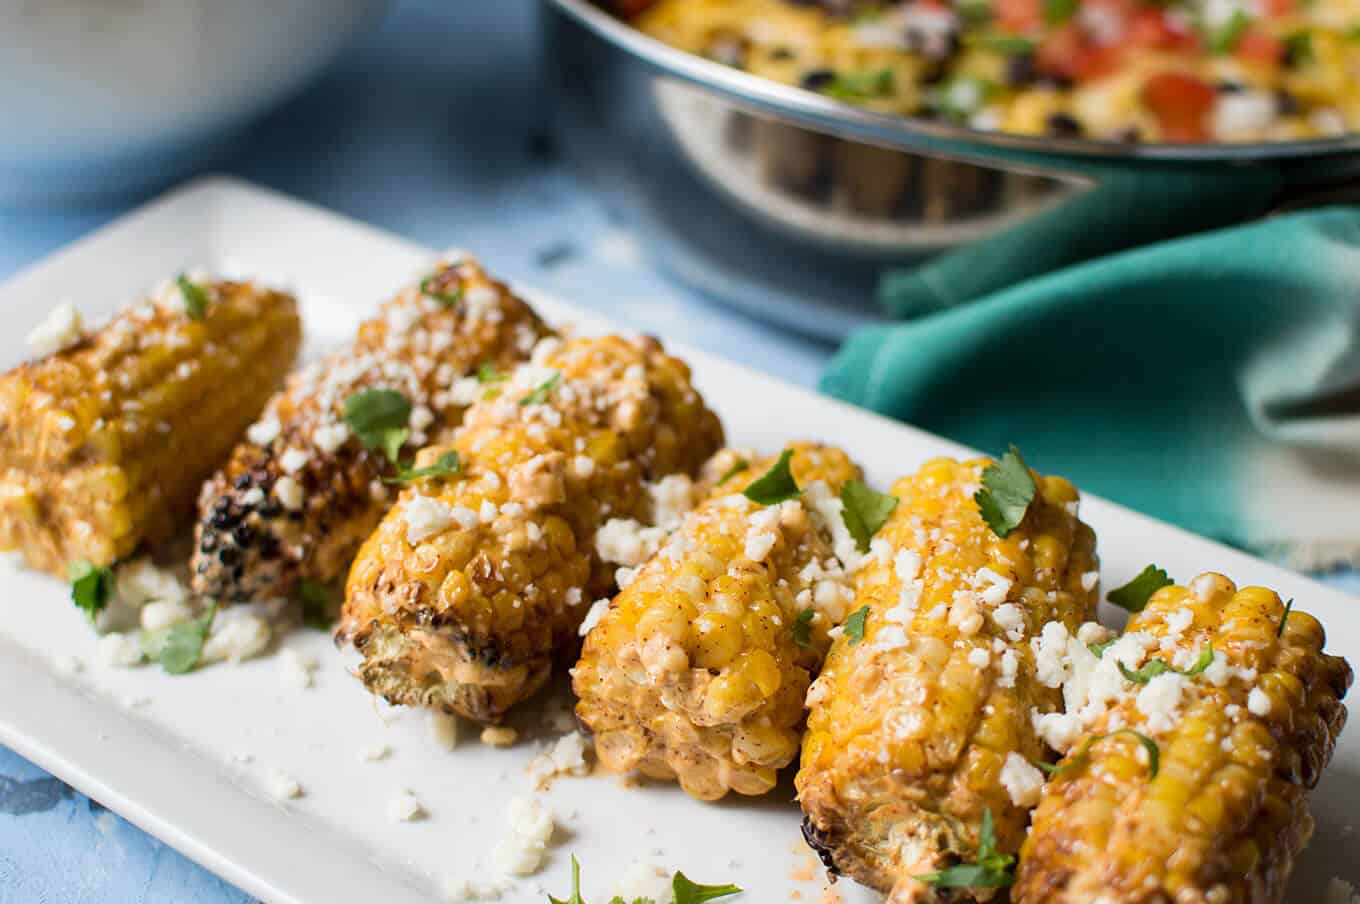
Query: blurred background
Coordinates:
[729,218]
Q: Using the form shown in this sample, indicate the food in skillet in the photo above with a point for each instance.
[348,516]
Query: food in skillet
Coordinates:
[1230,689]
[698,669]
[306,486]
[1124,70]
[105,439]
[918,758]
[482,571]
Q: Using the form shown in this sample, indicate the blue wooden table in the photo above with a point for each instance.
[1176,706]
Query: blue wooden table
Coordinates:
[430,127]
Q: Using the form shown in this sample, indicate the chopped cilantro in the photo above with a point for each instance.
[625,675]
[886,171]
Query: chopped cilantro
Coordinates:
[1288,608]
[991,869]
[802,628]
[1225,37]
[974,12]
[1134,595]
[179,647]
[688,892]
[860,86]
[448,463]
[864,511]
[575,885]
[195,298]
[1077,757]
[854,625]
[1298,48]
[90,587]
[1158,667]
[960,97]
[541,392]
[316,605]
[1010,45]
[430,288]
[378,418]
[741,465]
[1008,489]
[487,373]
[1098,649]
[1056,12]
[775,485]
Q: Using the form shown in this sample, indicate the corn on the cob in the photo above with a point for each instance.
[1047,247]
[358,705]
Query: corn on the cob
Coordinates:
[698,669]
[473,582]
[1242,728]
[104,444]
[913,721]
[301,491]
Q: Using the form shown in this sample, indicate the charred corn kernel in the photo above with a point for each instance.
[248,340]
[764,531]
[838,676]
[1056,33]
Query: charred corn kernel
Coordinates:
[910,725]
[527,576]
[302,492]
[1239,746]
[736,700]
[104,444]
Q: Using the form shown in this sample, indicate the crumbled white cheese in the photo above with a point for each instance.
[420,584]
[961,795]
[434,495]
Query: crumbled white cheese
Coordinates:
[1010,667]
[1089,579]
[567,756]
[1243,114]
[672,498]
[819,499]
[374,752]
[293,460]
[120,650]
[623,541]
[457,890]
[444,729]
[520,852]
[427,517]
[1258,702]
[237,633]
[252,497]
[403,807]
[597,611]
[262,433]
[296,669]
[61,329]
[499,736]
[1159,700]
[421,417]
[328,438]
[759,544]
[465,391]
[979,657]
[289,493]
[283,786]
[160,614]
[646,881]
[1022,780]
[994,586]
[1010,618]
[465,517]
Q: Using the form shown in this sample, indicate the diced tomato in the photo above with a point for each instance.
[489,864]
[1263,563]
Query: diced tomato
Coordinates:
[1259,46]
[1152,28]
[1279,7]
[1068,53]
[1019,15]
[1181,103]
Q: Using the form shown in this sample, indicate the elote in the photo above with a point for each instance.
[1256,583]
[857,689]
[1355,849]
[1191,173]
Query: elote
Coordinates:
[106,439]
[479,575]
[305,487]
[698,669]
[1191,741]
[923,710]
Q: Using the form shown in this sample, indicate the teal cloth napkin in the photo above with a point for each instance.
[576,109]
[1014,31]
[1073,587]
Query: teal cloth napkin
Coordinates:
[1212,381]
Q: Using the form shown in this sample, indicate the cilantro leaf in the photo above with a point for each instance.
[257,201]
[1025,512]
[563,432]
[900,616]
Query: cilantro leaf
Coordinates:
[316,605]
[487,373]
[1057,12]
[865,511]
[432,287]
[1158,667]
[860,86]
[775,485]
[1134,595]
[1225,37]
[1010,45]
[448,463]
[378,418]
[179,647]
[802,628]
[1008,488]
[1098,649]
[740,465]
[541,392]
[688,892]
[1298,48]
[1074,759]
[575,885]
[854,625]
[1279,632]
[195,298]
[991,870]
[91,586]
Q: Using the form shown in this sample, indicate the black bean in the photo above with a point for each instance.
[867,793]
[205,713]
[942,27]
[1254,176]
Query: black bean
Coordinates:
[818,79]
[1286,103]
[781,53]
[1062,125]
[244,535]
[242,481]
[1230,87]
[229,556]
[1020,70]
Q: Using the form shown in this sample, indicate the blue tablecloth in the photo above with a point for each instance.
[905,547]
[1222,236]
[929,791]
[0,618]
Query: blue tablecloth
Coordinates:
[430,127]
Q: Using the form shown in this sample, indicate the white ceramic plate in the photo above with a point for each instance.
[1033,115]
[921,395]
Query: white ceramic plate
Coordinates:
[166,752]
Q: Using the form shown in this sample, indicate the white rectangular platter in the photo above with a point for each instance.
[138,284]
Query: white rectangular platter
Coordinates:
[190,758]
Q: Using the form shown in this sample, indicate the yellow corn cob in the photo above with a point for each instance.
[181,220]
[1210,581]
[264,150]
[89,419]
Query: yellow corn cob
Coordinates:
[1239,744]
[103,445]
[693,673]
[471,583]
[301,493]
[910,727]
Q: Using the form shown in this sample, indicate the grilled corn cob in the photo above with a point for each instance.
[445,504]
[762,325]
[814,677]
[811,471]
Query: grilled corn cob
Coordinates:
[302,491]
[912,726]
[1240,739]
[472,582]
[104,442]
[695,671]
